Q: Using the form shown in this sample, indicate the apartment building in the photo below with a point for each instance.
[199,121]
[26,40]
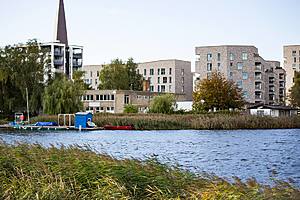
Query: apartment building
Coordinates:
[114,101]
[168,76]
[257,78]
[291,54]
[91,75]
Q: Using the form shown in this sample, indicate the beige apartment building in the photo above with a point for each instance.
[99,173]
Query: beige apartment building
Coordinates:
[261,81]
[91,76]
[291,54]
[168,76]
[114,101]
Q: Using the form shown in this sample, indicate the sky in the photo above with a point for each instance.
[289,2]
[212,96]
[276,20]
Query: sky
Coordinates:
[150,30]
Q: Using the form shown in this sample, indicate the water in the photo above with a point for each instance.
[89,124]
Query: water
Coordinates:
[242,153]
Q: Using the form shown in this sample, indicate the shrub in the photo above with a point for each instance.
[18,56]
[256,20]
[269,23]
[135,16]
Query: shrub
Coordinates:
[131,109]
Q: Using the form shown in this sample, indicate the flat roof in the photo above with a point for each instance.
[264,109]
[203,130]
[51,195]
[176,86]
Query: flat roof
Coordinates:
[164,60]
[226,46]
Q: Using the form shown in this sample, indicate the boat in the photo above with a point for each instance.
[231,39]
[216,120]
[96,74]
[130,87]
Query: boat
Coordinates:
[111,127]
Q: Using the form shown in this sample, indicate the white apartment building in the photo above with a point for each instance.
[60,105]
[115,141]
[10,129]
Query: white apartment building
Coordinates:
[91,75]
[168,76]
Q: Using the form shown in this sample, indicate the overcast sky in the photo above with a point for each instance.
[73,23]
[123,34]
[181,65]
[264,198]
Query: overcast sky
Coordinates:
[155,29]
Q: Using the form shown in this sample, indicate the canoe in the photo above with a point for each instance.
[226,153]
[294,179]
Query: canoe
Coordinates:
[111,127]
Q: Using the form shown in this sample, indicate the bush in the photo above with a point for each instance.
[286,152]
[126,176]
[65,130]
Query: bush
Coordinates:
[163,104]
[131,109]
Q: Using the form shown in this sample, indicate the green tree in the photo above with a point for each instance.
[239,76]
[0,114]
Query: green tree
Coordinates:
[21,67]
[63,96]
[131,109]
[120,76]
[163,104]
[217,93]
[295,91]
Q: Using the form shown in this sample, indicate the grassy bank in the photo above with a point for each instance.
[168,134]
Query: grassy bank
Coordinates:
[198,122]
[33,172]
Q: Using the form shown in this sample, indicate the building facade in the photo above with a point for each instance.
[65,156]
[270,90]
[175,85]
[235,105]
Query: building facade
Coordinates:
[257,78]
[91,75]
[64,58]
[291,64]
[168,76]
[114,101]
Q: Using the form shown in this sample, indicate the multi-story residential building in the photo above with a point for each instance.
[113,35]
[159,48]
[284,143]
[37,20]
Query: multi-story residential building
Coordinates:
[114,101]
[169,76]
[91,75]
[258,79]
[291,54]
[64,58]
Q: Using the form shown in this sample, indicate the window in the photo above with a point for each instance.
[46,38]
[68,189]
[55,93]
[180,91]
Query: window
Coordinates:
[239,84]
[240,66]
[245,94]
[151,71]
[230,75]
[219,66]
[244,56]
[101,97]
[294,53]
[163,88]
[209,67]
[97,97]
[96,81]
[91,74]
[105,97]
[209,75]
[170,79]
[108,108]
[182,80]
[126,99]
[182,89]
[231,57]
[112,108]
[91,81]
[151,88]
[260,112]
[170,71]
[219,57]
[112,97]
[245,75]
[231,64]
[138,71]
[170,88]
[163,71]
[98,73]
[165,79]
[158,71]
[145,72]
[97,109]
[158,79]
[182,72]
[209,57]
[158,88]
[295,59]
[258,85]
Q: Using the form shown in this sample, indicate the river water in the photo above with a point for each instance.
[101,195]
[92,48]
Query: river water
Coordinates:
[242,153]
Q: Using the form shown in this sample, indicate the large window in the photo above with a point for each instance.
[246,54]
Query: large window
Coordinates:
[163,71]
[151,71]
[209,57]
[240,66]
[244,56]
[209,67]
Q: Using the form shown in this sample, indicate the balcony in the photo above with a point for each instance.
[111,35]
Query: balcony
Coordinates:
[58,62]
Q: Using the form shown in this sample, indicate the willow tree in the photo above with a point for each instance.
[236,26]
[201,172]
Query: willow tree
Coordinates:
[63,95]
[163,104]
[217,93]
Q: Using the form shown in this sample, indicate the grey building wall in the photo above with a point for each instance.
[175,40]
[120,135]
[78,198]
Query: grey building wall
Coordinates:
[241,64]
[291,64]
[170,76]
[91,75]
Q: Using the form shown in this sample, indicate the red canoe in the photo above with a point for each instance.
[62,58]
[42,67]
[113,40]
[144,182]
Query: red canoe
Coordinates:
[111,127]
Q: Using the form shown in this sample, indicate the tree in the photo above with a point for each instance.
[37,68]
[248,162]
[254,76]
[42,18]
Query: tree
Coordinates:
[131,109]
[217,93]
[163,104]
[295,91]
[63,95]
[120,76]
[21,67]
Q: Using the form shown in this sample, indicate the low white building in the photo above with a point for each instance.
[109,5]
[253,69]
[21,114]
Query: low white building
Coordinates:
[184,105]
[272,110]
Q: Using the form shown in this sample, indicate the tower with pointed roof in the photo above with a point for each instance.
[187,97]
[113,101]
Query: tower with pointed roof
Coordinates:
[64,58]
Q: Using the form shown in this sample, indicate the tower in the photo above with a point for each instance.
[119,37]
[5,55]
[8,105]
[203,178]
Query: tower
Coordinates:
[61,29]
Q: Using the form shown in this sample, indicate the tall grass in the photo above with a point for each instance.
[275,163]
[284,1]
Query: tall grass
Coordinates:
[34,172]
[191,121]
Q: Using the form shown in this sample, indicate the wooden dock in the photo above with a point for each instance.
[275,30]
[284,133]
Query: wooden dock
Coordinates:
[47,128]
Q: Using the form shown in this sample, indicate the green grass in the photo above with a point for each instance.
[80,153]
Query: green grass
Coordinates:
[34,172]
[190,121]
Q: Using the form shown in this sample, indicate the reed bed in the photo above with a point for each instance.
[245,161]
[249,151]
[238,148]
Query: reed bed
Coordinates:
[34,172]
[190,121]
